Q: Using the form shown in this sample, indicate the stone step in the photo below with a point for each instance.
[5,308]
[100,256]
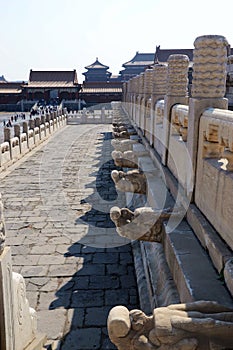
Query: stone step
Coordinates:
[192,269]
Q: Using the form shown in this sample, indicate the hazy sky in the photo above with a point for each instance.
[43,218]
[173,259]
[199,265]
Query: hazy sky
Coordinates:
[70,34]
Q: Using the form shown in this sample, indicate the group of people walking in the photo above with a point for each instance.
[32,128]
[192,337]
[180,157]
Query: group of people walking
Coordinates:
[14,118]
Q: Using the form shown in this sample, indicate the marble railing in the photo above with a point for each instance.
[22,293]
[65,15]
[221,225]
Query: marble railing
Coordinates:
[214,180]
[186,165]
[29,136]
[103,116]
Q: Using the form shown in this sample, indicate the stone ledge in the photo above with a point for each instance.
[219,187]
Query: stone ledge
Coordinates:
[192,270]
[209,238]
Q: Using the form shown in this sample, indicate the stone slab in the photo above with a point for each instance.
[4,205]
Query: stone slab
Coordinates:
[192,271]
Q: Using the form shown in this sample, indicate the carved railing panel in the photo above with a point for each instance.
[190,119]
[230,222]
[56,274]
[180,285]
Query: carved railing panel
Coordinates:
[214,184]
[158,127]
[178,157]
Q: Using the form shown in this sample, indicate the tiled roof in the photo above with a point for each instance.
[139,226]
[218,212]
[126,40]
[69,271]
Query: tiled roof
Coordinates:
[10,88]
[145,59]
[100,90]
[140,59]
[164,54]
[51,84]
[97,65]
[67,77]
[10,91]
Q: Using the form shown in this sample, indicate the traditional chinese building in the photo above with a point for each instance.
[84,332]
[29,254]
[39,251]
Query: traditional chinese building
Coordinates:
[97,72]
[100,92]
[143,60]
[99,85]
[51,85]
[10,92]
[136,65]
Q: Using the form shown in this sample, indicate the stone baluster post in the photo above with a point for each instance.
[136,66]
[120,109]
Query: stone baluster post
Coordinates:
[159,89]
[148,87]
[25,127]
[177,92]
[141,102]
[31,124]
[137,100]
[37,122]
[7,134]
[208,84]
[17,133]
[25,130]
[47,117]
[133,99]
[42,119]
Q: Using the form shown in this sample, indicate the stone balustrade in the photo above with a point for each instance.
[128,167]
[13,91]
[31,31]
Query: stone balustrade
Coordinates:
[187,165]
[103,116]
[28,136]
[214,181]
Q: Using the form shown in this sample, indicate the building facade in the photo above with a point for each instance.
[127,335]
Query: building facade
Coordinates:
[52,85]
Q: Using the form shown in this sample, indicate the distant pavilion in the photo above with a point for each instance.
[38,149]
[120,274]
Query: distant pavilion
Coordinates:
[97,72]
[99,85]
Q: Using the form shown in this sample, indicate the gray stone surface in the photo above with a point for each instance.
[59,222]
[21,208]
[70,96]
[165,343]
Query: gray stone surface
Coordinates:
[76,267]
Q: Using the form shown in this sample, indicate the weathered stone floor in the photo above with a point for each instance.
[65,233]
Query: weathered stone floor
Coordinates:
[56,205]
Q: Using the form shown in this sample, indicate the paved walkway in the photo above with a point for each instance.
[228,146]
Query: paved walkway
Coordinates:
[56,206]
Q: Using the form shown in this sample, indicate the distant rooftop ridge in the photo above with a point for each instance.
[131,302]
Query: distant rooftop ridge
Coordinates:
[97,65]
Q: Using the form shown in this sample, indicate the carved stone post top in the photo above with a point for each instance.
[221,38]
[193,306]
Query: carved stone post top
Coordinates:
[25,127]
[31,124]
[17,130]
[7,134]
[210,66]
[177,76]
[213,41]
[178,60]
[159,66]
[37,121]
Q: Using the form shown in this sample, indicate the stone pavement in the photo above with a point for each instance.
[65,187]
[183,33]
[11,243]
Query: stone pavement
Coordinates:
[56,205]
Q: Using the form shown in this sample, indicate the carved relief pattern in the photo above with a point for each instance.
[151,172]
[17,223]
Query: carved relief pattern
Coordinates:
[218,136]
[160,79]
[179,121]
[177,77]
[209,66]
[148,81]
[159,111]
[141,82]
